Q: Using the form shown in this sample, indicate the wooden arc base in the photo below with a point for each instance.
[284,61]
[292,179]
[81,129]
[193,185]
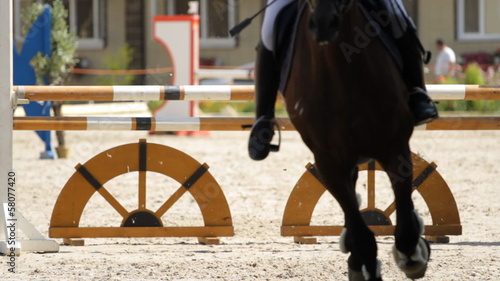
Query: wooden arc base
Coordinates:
[427,181]
[142,157]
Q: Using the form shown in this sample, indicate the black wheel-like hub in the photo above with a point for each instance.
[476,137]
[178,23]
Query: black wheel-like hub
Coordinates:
[375,217]
[142,219]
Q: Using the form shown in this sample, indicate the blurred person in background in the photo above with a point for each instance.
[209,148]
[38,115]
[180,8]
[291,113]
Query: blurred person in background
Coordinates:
[445,61]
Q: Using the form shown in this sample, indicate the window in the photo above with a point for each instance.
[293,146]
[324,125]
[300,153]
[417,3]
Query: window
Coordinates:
[478,20]
[216,18]
[86,19]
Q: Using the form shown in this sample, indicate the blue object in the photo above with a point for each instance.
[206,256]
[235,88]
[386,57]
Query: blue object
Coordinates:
[37,40]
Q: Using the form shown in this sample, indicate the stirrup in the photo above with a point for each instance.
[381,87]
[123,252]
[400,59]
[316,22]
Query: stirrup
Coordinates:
[261,136]
[422,107]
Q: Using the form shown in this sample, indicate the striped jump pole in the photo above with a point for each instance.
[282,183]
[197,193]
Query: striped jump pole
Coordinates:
[464,92]
[210,123]
[134,93]
[159,124]
[203,92]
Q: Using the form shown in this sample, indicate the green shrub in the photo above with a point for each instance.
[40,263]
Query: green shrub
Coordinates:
[244,107]
[212,106]
[154,104]
[450,81]
[120,61]
[473,76]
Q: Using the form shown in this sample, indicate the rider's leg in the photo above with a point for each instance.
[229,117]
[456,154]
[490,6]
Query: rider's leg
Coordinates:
[267,78]
[266,89]
[404,31]
[421,106]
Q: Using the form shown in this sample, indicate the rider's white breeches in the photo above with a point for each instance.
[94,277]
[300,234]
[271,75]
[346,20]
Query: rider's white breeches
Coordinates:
[267,34]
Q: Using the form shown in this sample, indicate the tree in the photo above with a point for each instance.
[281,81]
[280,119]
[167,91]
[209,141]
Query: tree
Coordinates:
[57,67]
[54,69]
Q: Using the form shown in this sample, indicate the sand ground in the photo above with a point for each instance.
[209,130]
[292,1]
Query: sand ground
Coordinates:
[257,194]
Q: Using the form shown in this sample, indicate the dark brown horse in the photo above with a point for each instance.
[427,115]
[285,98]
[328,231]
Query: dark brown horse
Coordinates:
[346,99]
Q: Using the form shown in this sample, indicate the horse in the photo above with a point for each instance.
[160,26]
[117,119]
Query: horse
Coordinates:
[345,97]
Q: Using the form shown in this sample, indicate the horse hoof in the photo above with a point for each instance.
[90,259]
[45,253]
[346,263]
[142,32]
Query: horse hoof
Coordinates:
[363,274]
[355,275]
[378,271]
[415,266]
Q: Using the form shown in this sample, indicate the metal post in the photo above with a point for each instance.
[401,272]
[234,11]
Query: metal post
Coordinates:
[6,113]
[9,215]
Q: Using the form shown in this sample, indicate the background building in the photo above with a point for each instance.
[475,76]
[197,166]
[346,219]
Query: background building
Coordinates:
[105,26]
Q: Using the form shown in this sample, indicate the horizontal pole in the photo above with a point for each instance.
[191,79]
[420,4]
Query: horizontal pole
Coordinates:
[210,92]
[134,93]
[463,123]
[464,92]
[162,124]
[158,124]
[122,72]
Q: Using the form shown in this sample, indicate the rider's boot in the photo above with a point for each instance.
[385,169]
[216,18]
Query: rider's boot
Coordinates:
[266,90]
[422,107]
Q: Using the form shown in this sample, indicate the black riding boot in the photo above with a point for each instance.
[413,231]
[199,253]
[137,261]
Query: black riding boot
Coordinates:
[422,107]
[266,90]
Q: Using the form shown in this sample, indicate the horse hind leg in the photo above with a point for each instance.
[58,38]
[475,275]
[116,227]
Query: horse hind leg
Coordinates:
[357,238]
[411,251]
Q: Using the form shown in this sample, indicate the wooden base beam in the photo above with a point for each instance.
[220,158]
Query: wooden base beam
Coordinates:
[438,239]
[126,232]
[209,240]
[305,240]
[74,242]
